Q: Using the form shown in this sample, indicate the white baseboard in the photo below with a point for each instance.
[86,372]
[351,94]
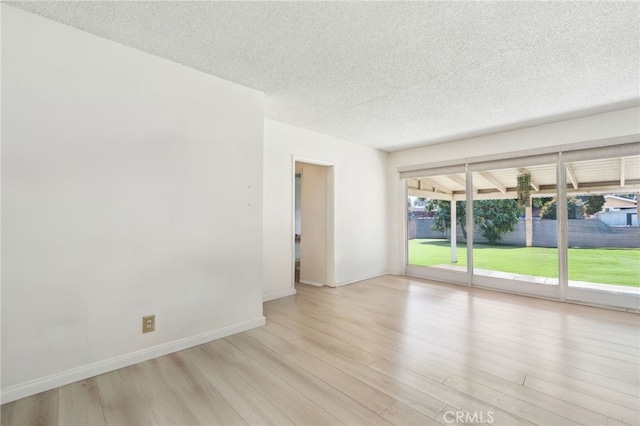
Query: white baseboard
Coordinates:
[362,279]
[279,294]
[312,283]
[80,373]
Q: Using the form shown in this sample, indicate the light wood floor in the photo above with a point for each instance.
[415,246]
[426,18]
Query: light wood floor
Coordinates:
[389,350]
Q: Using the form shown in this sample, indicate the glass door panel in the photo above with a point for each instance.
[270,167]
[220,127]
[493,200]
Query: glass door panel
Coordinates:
[603,232]
[436,232]
[514,242]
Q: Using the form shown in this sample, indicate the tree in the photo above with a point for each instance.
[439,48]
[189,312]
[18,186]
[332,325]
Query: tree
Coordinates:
[419,202]
[442,215]
[594,204]
[540,201]
[574,205]
[494,217]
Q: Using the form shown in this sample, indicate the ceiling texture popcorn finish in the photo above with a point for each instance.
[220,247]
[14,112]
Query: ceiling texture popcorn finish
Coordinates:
[387,74]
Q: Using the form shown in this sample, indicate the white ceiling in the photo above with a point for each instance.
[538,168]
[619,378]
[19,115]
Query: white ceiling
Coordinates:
[387,74]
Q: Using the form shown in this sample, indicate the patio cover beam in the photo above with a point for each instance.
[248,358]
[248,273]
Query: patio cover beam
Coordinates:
[572,176]
[430,184]
[421,193]
[493,181]
[461,182]
[535,186]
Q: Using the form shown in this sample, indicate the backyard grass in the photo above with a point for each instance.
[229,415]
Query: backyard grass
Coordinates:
[606,266]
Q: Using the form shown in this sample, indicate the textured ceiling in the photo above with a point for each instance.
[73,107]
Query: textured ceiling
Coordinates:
[388,74]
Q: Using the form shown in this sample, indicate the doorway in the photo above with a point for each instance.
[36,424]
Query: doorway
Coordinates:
[313,242]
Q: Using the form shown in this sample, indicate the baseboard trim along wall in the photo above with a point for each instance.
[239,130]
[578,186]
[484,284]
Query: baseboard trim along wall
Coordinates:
[279,294]
[344,283]
[70,376]
[363,279]
[312,283]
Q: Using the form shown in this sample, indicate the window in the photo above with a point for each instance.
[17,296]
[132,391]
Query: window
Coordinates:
[603,233]
[512,241]
[436,232]
[574,236]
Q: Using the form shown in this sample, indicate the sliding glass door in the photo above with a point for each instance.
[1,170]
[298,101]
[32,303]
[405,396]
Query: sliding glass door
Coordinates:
[515,243]
[603,255]
[436,225]
[557,225]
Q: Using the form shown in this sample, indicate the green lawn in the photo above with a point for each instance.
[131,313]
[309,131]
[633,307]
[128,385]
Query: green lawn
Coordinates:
[607,266]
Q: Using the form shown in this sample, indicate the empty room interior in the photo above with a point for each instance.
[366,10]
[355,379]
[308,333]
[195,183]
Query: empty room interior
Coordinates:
[357,213]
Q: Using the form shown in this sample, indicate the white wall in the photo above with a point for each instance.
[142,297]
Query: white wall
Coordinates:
[314,206]
[360,205]
[608,125]
[130,186]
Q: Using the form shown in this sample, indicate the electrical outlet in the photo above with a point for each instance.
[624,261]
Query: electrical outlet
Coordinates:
[148,323]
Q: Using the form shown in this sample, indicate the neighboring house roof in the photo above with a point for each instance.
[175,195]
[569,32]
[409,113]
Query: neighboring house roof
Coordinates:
[620,202]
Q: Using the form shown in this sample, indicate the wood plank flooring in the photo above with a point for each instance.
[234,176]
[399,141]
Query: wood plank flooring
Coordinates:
[389,350]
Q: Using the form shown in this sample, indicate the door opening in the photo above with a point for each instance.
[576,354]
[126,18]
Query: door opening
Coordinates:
[313,224]
[298,224]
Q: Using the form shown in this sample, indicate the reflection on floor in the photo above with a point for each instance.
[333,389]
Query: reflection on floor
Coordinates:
[544,280]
